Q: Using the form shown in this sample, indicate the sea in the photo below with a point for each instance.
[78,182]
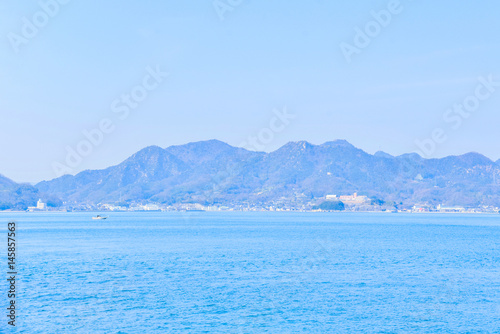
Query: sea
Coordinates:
[252,272]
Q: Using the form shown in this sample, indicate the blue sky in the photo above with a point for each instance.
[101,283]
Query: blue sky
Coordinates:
[227,76]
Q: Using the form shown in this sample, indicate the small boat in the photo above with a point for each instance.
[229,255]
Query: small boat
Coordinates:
[99,217]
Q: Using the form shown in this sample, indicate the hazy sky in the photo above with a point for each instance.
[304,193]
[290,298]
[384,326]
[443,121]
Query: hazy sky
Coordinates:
[230,67]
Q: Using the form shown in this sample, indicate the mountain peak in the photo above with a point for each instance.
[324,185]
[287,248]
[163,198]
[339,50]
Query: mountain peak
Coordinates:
[204,144]
[296,145]
[152,148]
[410,156]
[211,151]
[6,182]
[303,143]
[149,150]
[338,143]
[474,158]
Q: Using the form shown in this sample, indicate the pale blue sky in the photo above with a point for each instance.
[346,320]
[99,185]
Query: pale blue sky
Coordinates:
[227,76]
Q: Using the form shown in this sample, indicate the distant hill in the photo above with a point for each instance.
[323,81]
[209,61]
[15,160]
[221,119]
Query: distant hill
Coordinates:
[19,196]
[213,172]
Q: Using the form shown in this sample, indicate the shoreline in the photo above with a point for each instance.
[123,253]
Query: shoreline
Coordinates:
[227,211]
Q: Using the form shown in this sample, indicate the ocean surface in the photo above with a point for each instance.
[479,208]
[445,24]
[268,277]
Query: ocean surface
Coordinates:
[235,272]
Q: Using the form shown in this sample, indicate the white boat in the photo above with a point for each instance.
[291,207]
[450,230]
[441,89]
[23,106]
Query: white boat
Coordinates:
[99,217]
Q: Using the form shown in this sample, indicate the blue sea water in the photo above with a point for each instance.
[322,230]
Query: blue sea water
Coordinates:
[234,272]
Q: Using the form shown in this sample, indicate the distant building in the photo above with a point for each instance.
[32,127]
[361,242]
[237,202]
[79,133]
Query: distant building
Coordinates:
[151,207]
[441,208]
[354,199]
[421,208]
[111,207]
[331,197]
[41,205]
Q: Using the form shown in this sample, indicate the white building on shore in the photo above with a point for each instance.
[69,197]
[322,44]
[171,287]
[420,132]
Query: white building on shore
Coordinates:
[354,199]
[348,199]
[40,206]
[441,208]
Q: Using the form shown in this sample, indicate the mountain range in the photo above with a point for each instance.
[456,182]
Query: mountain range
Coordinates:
[213,172]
